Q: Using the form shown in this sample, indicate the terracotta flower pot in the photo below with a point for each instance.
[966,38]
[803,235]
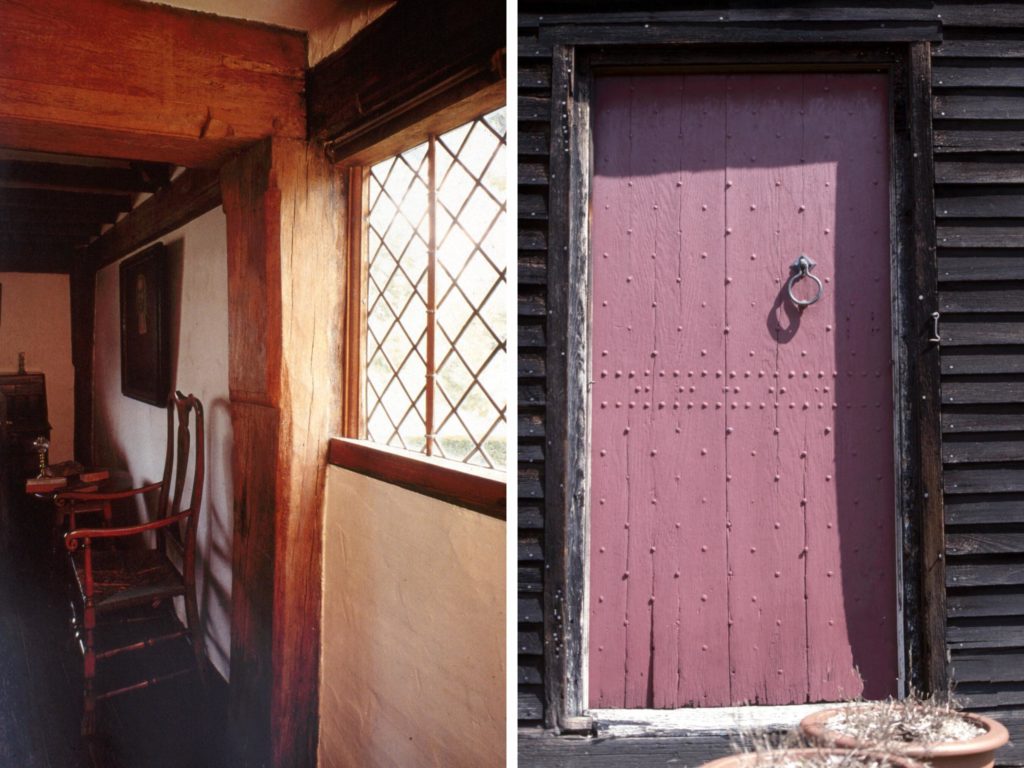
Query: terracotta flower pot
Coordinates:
[754,759]
[978,752]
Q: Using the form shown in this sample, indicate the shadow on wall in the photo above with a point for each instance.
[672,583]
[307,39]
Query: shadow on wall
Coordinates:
[131,435]
[215,535]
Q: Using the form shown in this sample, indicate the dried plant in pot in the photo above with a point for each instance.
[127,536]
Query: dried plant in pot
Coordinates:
[926,731]
[812,757]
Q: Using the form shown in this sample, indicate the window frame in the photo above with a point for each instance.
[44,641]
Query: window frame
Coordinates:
[467,485]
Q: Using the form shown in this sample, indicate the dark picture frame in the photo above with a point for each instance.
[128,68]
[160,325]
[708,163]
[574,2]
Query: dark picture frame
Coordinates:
[145,347]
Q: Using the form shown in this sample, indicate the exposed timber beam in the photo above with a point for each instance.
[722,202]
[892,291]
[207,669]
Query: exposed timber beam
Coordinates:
[36,258]
[192,194]
[141,81]
[43,217]
[86,179]
[414,61]
[60,201]
[284,205]
[57,228]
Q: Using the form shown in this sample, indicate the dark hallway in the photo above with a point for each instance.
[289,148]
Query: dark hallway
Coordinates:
[172,724]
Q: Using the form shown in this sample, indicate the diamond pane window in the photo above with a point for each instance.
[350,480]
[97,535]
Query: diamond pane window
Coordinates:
[436,277]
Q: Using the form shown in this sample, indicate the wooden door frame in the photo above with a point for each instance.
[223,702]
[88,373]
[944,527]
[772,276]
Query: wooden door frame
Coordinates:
[917,459]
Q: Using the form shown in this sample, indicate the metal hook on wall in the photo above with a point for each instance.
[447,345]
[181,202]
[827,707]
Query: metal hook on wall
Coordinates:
[803,266]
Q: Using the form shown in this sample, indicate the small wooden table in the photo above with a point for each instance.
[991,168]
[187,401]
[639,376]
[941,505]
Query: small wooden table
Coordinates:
[89,481]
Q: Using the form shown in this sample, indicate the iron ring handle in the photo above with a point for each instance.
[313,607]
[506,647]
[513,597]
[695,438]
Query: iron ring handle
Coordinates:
[803,266]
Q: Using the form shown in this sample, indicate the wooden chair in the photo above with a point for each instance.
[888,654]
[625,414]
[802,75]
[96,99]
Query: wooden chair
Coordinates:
[111,584]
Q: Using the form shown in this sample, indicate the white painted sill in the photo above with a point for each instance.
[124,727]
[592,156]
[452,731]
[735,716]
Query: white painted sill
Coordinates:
[709,720]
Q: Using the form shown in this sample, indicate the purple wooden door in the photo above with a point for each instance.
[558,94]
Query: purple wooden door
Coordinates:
[742,540]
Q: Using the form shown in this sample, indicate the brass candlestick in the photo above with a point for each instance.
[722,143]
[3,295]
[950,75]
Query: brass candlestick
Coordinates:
[42,446]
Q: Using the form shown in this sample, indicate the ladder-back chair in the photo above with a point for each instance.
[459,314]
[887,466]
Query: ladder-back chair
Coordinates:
[111,581]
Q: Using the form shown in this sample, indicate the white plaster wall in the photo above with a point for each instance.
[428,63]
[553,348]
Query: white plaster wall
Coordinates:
[413,658]
[132,435]
[35,318]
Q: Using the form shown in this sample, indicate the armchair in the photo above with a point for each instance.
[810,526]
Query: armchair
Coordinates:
[112,581]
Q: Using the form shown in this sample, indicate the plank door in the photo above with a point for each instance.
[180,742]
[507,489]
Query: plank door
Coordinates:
[742,543]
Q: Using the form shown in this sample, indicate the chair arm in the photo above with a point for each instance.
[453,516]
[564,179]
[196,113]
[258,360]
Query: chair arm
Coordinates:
[111,496]
[71,537]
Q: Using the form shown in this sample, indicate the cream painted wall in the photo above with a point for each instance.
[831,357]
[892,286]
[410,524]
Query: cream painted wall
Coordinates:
[35,318]
[132,435]
[413,658]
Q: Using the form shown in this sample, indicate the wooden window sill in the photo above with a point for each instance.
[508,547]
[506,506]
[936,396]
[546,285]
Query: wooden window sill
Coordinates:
[478,489]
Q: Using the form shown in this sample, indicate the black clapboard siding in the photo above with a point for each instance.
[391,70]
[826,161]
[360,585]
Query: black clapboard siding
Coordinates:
[960,330]
[958,361]
[993,389]
[534,140]
[951,137]
[985,574]
[970,634]
[999,297]
[534,98]
[977,73]
[530,642]
[978,135]
[986,696]
[979,104]
[981,265]
[980,202]
[983,479]
[979,169]
[991,603]
[985,510]
[983,448]
[992,542]
[980,235]
[980,43]
[978,141]
[987,420]
[994,667]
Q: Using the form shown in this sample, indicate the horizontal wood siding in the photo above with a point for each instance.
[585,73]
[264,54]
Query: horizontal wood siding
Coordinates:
[978,109]
[978,103]
[534,90]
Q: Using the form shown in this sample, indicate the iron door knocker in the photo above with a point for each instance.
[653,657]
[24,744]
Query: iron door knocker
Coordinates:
[803,266]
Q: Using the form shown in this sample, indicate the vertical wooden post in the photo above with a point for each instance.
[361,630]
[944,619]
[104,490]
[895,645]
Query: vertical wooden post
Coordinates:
[926,372]
[83,303]
[354,334]
[284,206]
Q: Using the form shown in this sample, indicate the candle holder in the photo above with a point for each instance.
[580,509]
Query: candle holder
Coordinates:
[42,446]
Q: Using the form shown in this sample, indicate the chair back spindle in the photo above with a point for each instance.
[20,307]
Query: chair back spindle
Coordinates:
[183,412]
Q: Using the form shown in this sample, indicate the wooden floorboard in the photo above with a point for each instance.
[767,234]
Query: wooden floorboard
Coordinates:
[177,724]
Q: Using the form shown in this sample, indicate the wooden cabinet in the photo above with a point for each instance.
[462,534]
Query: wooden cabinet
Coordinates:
[23,418]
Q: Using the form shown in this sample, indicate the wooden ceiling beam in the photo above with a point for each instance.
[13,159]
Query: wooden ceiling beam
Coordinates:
[18,240]
[61,201]
[415,60]
[30,217]
[192,194]
[142,81]
[18,257]
[86,179]
[57,228]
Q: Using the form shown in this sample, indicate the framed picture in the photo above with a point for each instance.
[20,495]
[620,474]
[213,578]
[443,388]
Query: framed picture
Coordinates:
[145,346]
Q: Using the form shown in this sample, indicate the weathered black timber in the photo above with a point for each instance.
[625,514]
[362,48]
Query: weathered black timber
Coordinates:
[922,392]
[415,61]
[967,78]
